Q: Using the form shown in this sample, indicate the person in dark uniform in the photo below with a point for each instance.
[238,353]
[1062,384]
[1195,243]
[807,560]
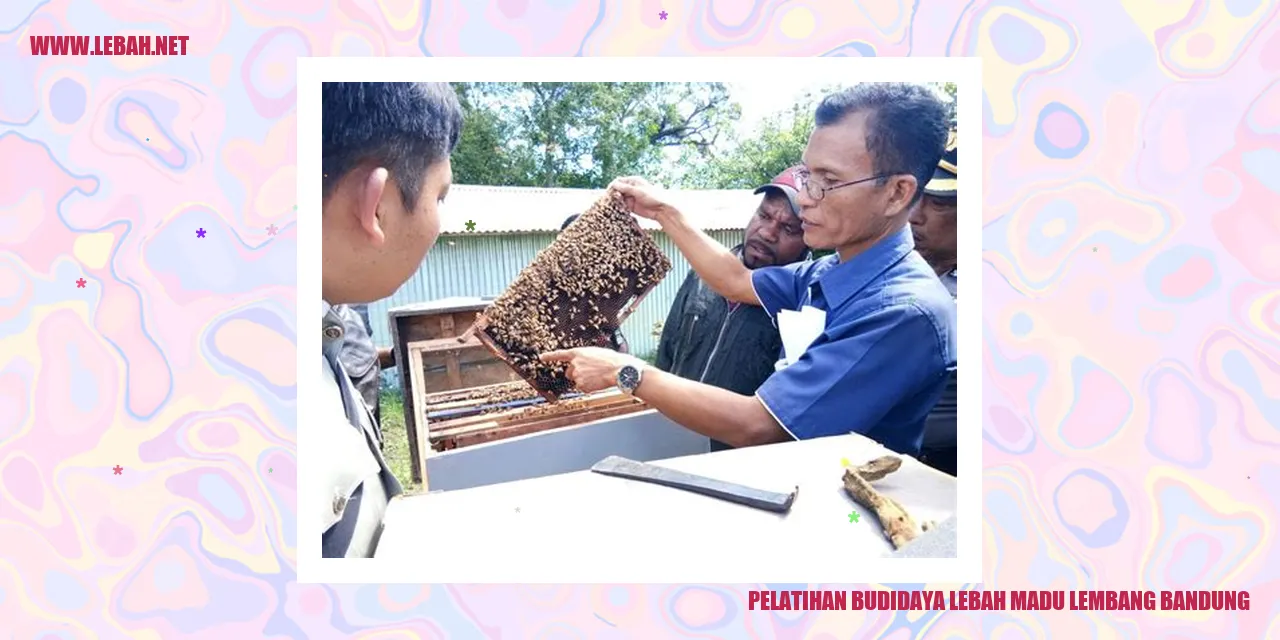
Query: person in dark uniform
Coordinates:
[727,344]
[933,224]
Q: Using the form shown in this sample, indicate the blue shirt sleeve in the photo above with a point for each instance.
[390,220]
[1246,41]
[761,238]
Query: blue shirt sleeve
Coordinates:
[854,374]
[778,288]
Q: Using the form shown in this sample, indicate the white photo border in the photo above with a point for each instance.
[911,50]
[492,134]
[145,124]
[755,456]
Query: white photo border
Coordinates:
[807,564]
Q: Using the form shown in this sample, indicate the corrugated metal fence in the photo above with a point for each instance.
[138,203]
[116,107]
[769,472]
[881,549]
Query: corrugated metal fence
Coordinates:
[483,265]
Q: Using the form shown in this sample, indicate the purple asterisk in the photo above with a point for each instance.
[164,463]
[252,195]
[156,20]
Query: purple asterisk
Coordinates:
[199,233]
[662,15]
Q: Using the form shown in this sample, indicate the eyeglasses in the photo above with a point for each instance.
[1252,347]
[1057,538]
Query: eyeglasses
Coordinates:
[817,191]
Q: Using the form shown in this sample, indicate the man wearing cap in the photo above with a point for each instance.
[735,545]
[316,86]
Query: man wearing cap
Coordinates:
[728,344]
[933,222]
[933,225]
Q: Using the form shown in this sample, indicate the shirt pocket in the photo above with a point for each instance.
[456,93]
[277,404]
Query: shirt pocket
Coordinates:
[346,461]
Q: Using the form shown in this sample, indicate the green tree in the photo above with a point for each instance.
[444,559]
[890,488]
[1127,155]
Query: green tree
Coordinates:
[583,134]
[777,144]
[949,88]
[752,159]
[749,160]
[480,156]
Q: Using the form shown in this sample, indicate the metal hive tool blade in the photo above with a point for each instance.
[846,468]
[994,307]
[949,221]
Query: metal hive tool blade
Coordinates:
[630,469]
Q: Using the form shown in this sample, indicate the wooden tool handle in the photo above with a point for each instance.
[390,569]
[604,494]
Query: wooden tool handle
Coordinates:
[767,500]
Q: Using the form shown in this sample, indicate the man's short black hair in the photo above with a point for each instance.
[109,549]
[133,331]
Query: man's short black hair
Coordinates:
[403,126]
[907,126]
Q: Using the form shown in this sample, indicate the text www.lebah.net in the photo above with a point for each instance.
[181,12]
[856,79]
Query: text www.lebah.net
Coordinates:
[109,45]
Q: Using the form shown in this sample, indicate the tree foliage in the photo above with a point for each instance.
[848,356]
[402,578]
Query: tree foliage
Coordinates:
[567,134]
[949,88]
[583,134]
[752,158]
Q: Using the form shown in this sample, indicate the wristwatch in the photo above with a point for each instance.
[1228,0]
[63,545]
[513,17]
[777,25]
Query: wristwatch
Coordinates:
[628,378]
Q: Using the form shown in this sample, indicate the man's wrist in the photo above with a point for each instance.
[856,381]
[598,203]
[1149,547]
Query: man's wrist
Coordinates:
[668,216]
[641,368]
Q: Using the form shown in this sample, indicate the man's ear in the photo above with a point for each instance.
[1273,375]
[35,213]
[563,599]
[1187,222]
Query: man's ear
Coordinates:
[901,192]
[367,204]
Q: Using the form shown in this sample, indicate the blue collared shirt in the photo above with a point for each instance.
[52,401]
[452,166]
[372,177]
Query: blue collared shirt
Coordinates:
[882,361]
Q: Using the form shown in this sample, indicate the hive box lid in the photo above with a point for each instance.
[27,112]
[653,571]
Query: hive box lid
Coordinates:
[442,305]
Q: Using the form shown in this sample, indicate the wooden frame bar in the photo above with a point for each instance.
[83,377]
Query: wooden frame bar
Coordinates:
[474,430]
[423,448]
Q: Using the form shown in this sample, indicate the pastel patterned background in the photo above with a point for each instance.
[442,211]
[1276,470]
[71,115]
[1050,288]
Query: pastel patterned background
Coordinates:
[1131,315]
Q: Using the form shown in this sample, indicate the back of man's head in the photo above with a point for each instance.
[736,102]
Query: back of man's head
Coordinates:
[906,125]
[404,127]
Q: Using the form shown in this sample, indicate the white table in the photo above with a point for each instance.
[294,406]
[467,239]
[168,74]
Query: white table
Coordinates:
[539,530]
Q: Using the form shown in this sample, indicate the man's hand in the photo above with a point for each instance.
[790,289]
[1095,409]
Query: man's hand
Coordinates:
[642,198]
[387,358]
[592,368]
[716,265]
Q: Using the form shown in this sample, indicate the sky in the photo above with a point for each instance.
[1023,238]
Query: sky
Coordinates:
[766,97]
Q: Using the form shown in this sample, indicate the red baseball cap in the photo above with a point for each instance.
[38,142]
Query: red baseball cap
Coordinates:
[788,182]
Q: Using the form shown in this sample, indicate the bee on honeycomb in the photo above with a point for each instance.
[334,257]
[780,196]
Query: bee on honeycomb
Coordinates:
[575,292]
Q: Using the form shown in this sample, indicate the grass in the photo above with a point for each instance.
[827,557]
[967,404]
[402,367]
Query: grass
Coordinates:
[395,441]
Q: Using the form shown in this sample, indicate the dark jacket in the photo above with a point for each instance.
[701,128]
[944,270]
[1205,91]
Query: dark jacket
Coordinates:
[704,339]
[359,357]
[939,446]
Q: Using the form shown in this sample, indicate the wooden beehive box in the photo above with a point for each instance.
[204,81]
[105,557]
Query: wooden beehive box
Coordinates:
[575,293]
[431,360]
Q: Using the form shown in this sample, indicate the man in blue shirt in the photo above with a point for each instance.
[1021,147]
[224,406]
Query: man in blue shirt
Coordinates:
[727,344]
[889,336]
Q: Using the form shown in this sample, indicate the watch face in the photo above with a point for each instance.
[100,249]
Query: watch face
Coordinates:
[628,377]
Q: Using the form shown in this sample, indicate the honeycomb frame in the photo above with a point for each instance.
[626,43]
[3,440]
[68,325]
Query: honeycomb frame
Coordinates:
[575,293]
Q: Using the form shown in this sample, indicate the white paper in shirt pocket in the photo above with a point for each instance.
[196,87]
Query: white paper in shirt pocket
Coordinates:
[798,330]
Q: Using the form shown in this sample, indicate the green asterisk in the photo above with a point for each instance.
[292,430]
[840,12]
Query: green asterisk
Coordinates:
[471,226]
[853,516]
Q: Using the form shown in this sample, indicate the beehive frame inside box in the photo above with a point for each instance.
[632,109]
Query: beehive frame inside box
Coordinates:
[575,293]
[424,337]
[496,422]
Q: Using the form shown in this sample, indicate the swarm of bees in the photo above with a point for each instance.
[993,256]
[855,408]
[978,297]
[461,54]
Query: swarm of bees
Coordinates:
[575,291]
